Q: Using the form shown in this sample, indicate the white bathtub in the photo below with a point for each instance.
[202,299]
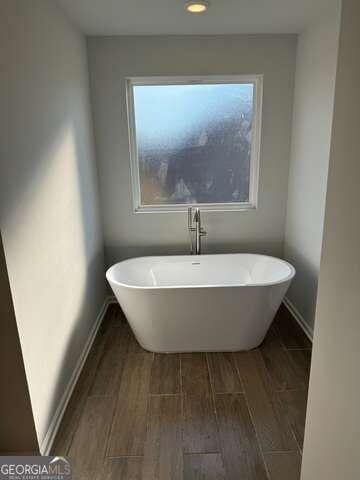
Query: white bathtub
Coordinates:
[200,303]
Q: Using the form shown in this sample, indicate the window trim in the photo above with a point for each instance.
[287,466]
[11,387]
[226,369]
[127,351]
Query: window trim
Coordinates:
[256,80]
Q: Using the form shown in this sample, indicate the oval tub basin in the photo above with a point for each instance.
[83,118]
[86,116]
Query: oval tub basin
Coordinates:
[202,303]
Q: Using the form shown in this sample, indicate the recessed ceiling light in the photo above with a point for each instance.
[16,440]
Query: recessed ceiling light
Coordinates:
[199,6]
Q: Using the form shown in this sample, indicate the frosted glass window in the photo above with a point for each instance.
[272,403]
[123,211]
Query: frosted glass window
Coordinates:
[193,143]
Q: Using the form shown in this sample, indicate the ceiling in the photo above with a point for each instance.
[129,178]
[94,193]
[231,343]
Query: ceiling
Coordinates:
[160,17]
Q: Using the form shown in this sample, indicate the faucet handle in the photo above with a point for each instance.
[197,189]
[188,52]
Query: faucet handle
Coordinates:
[190,218]
[191,228]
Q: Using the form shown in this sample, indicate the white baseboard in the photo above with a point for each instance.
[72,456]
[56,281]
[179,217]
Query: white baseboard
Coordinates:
[48,441]
[299,318]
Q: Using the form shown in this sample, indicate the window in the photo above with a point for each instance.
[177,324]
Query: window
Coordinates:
[194,141]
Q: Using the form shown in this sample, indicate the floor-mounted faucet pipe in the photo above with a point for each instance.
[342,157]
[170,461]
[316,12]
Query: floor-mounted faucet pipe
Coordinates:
[194,227]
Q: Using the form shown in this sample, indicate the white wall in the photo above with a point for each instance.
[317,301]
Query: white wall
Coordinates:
[112,59]
[48,196]
[311,134]
[332,435]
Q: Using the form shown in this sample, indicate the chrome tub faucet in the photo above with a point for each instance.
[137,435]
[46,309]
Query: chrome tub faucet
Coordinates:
[194,227]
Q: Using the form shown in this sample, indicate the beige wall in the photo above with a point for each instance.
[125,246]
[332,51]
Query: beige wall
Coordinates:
[310,149]
[112,59]
[48,196]
[332,437]
[18,436]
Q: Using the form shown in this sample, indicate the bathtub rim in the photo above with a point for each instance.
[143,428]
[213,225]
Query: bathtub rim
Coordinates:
[288,278]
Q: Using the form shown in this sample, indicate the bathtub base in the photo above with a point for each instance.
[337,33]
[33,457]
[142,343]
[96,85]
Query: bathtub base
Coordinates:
[201,320]
[217,345]
[221,350]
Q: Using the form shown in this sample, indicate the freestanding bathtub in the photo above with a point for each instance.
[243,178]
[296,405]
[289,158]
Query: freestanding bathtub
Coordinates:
[200,303]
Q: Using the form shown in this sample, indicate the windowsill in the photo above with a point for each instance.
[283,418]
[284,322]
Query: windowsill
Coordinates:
[204,207]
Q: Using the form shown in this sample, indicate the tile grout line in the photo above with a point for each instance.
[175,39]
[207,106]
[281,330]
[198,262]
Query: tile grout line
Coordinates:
[286,350]
[114,457]
[230,393]
[99,395]
[282,344]
[296,441]
[103,459]
[238,374]
[207,452]
[126,353]
[291,428]
[212,388]
[257,438]
[298,348]
[279,452]
[276,391]
[101,463]
[277,333]
[214,395]
[182,415]
[165,394]
[298,389]
[88,390]
[285,347]
[148,417]
[253,424]
[282,407]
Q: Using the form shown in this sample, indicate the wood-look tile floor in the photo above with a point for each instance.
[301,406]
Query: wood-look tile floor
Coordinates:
[235,416]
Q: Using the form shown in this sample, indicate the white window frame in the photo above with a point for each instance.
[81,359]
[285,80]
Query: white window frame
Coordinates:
[256,80]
